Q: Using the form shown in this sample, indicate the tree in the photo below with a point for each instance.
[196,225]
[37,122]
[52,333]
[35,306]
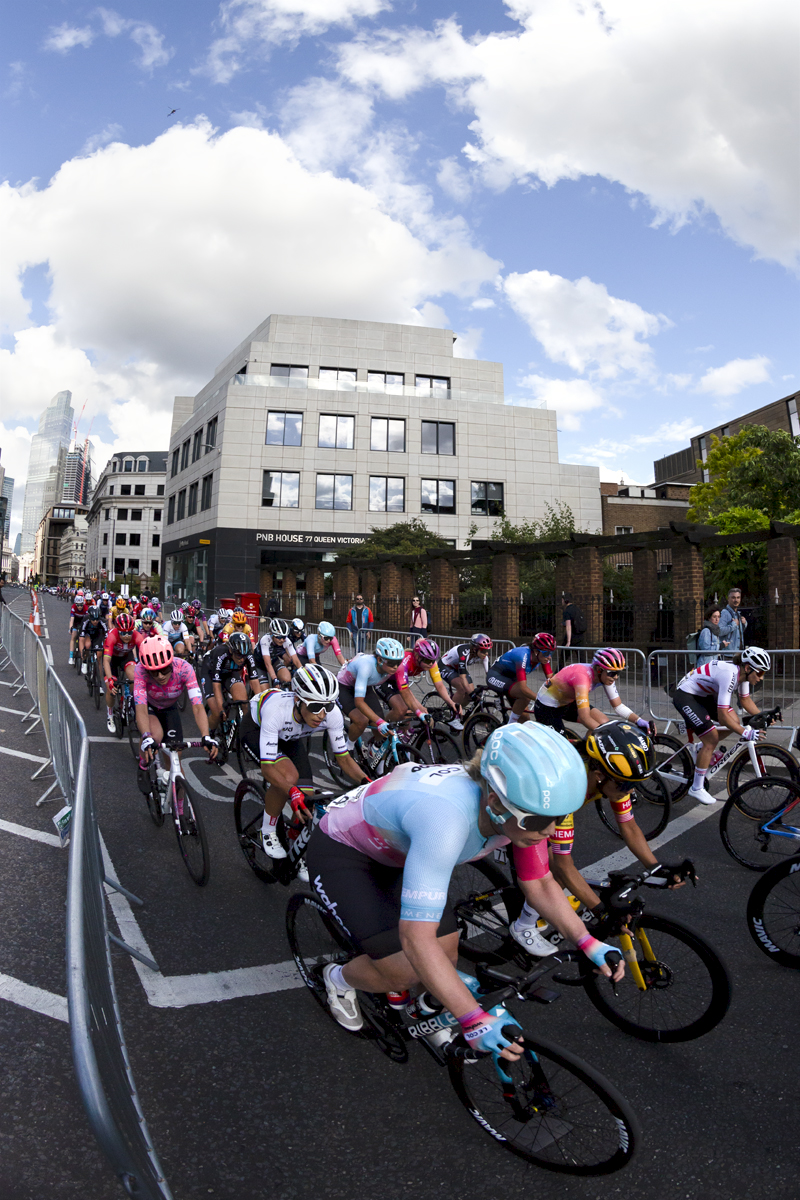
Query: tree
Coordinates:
[557,525]
[757,469]
[406,537]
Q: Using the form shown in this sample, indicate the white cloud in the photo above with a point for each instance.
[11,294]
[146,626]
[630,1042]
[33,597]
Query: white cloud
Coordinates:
[467,343]
[253,26]
[579,324]
[679,382]
[692,105]
[111,133]
[325,123]
[482,302]
[64,38]
[671,431]
[454,180]
[735,376]
[569,397]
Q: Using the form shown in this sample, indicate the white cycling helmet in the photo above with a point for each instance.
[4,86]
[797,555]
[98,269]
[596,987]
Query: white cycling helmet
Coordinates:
[278,627]
[224,614]
[756,658]
[315,684]
[325,629]
[299,624]
[176,616]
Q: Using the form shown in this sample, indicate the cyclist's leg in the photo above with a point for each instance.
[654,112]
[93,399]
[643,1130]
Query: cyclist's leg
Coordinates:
[283,674]
[179,648]
[463,687]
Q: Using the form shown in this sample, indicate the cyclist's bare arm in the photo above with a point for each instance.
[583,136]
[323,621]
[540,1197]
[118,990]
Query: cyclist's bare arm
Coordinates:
[749,705]
[568,876]
[412,703]
[364,708]
[351,768]
[591,717]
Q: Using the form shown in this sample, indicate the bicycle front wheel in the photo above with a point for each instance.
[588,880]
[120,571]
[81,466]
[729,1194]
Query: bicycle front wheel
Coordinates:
[651,806]
[393,756]
[773,913]
[558,1112]
[437,746]
[96,688]
[772,760]
[479,727]
[746,813]
[248,816]
[190,832]
[674,765]
[134,737]
[686,990]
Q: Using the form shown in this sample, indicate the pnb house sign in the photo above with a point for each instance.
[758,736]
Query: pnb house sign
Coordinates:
[311,541]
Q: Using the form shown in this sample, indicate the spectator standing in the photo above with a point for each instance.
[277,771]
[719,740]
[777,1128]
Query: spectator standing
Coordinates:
[732,622]
[419,621]
[708,639]
[273,607]
[574,621]
[359,620]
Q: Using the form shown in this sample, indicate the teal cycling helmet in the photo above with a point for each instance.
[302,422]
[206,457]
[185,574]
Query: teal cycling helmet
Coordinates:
[390,649]
[534,771]
[325,629]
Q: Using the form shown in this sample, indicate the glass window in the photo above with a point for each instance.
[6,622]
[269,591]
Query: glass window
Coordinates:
[185,454]
[280,489]
[334,491]
[103,563]
[181,505]
[135,539]
[794,421]
[171,510]
[387,494]
[114,465]
[197,445]
[136,514]
[128,464]
[336,433]
[156,514]
[176,457]
[703,448]
[125,489]
[336,379]
[160,489]
[111,490]
[133,565]
[438,496]
[154,566]
[205,494]
[194,488]
[384,381]
[487,499]
[288,376]
[122,514]
[725,431]
[211,434]
[142,464]
[622,529]
[388,433]
[105,539]
[284,429]
[156,539]
[432,385]
[120,539]
[119,566]
[138,489]
[108,514]
[438,437]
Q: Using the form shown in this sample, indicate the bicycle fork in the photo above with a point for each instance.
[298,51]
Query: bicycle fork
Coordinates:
[629,954]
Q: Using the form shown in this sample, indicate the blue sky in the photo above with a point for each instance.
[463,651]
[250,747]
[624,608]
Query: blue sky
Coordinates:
[603,198]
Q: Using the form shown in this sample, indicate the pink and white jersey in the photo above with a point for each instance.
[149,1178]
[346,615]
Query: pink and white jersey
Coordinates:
[715,678]
[574,683]
[164,695]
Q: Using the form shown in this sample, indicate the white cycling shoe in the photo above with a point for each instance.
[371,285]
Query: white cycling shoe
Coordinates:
[271,843]
[702,796]
[344,1006]
[456,724]
[110,726]
[531,940]
[302,871]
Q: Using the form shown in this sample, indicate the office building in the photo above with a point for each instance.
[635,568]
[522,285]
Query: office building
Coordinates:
[77,485]
[46,465]
[72,551]
[8,493]
[47,544]
[313,430]
[125,520]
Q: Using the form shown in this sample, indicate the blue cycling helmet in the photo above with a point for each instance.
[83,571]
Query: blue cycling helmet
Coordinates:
[534,771]
[325,629]
[390,649]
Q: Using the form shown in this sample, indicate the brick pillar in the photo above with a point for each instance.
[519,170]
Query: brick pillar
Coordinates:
[369,590]
[391,602]
[266,582]
[688,587]
[289,595]
[345,585]
[315,594]
[505,597]
[443,601]
[782,578]
[588,592]
[645,597]
[564,577]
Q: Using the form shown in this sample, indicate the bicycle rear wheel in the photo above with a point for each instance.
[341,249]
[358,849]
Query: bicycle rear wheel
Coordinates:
[394,757]
[95,672]
[674,765]
[435,705]
[190,832]
[773,913]
[687,988]
[437,746]
[772,760]
[652,808]
[248,816]
[558,1112]
[747,811]
[479,727]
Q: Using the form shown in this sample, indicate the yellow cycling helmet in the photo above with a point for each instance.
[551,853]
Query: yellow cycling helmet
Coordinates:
[239,616]
[621,750]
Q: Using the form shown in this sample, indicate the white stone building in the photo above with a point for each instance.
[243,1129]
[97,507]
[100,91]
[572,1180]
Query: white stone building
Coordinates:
[126,519]
[72,551]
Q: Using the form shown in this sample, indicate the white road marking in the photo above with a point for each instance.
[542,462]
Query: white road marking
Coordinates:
[35,835]
[46,1003]
[19,711]
[623,858]
[21,754]
[49,654]
[108,738]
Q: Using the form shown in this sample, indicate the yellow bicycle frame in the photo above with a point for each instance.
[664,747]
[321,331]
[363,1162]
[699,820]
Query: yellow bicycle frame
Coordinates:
[629,954]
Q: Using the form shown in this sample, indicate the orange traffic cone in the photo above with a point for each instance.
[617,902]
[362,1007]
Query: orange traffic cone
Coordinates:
[37,629]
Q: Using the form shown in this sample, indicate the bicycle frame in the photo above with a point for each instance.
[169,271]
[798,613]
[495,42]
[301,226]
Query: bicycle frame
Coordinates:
[693,747]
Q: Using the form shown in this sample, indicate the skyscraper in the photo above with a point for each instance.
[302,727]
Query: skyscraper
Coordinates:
[46,465]
[8,492]
[77,476]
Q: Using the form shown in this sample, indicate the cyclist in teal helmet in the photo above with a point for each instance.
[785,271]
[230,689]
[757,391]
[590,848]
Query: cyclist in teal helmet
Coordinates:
[357,680]
[382,857]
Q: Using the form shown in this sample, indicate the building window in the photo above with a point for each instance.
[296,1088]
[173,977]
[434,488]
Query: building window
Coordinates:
[185,454]
[438,437]
[619,530]
[387,494]
[128,464]
[439,496]
[194,488]
[135,539]
[334,491]
[211,435]
[336,433]
[794,420]
[136,514]
[432,385]
[154,566]
[105,539]
[120,539]
[383,381]
[387,433]
[181,505]
[156,514]
[341,381]
[171,510]
[125,489]
[114,465]
[284,429]
[205,493]
[119,566]
[197,445]
[703,448]
[133,565]
[160,489]
[103,563]
[280,489]
[111,490]
[122,514]
[176,457]
[156,540]
[108,514]
[289,376]
[138,489]
[487,500]
[725,431]
[142,465]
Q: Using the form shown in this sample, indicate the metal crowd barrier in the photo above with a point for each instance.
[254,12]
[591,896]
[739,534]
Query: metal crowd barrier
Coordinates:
[99,1054]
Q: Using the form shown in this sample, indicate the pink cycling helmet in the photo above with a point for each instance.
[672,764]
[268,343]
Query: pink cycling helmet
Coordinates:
[426,650]
[609,660]
[155,653]
[544,641]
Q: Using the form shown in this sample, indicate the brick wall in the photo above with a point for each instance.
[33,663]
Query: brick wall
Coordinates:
[783,624]
[288,595]
[505,596]
[645,596]
[688,590]
[315,589]
[588,592]
[443,602]
[642,515]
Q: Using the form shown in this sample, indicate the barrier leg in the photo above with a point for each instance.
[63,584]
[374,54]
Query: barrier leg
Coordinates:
[148,962]
[43,798]
[112,883]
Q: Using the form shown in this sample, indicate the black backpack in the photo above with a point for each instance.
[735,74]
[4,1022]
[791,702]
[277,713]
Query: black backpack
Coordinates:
[578,622]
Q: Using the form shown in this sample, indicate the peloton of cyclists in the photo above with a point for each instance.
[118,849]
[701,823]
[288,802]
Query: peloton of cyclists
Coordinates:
[454,666]
[357,682]
[509,673]
[396,690]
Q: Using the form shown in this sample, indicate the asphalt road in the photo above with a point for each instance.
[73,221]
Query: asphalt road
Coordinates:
[259,1095]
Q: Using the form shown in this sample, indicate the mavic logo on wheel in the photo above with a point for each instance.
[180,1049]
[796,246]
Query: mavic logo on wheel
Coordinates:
[482,1121]
[762,936]
[794,867]
[624,1140]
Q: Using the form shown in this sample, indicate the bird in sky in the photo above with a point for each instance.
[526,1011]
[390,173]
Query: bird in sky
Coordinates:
[171,111]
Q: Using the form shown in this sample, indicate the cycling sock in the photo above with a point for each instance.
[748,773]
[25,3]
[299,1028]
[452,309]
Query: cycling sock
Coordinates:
[269,822]
[350,746]
[512,716]
[699,779]
[338,980]
[528,917]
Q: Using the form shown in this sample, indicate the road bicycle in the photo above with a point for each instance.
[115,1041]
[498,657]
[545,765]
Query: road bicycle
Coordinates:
[482,713]
[773,913]
[294,828]
[94,675]
[550,1108]
[376,757]
[229,735]
[676,987]
[124,710]
[177,800]
[744,760]
[756,824]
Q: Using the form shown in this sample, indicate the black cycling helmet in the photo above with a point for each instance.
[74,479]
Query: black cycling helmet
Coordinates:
[621,750]
[94,613]
[239,644]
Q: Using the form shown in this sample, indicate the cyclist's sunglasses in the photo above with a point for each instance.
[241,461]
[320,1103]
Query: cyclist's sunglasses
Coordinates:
[533,822]
[318,706]
[323,637]
[161,670]
[615,674]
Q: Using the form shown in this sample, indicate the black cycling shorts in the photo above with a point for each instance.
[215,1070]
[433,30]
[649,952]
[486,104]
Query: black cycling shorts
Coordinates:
[555,717]
[118,661]
[170,720]
[384,691]
[362,894]
[347,699]
[500,683]
[450,673]
[699,712]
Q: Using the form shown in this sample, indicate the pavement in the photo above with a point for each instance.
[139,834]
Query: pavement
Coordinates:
[248,1088]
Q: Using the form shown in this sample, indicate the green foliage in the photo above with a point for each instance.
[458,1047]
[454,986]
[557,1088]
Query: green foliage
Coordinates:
[557,525]
[620,582]
[406,537]
[757,469]
[743,566]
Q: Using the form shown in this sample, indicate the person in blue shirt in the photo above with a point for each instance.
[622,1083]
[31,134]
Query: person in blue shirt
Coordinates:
[509,673]
[359,620]
[708,638]
[732,623]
